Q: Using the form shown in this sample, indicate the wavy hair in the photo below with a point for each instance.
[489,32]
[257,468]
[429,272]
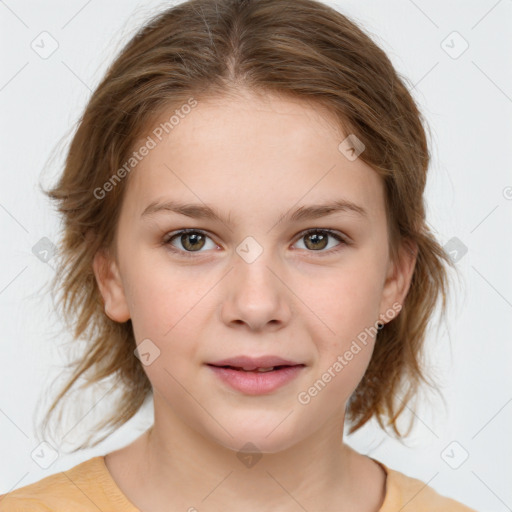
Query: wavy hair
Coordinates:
[301,49]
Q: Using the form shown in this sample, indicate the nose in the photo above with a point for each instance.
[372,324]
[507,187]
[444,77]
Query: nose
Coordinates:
[256,295]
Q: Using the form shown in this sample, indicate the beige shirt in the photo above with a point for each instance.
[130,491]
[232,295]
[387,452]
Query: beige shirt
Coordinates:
[89,487]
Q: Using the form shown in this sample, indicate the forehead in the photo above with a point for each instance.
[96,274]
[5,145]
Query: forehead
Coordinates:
[252,151]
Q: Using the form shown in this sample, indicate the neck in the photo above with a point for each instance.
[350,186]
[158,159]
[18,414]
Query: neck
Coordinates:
[177,465]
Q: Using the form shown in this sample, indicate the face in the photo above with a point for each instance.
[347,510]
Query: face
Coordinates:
[264,279]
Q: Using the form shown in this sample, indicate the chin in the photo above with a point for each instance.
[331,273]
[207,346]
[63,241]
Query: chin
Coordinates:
[255,444]
[259,437]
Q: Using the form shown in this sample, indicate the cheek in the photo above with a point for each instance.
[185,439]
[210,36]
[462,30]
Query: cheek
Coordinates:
[353,300]
[158,294]
[335,381]
[350,310]
[343,357]
[166,306]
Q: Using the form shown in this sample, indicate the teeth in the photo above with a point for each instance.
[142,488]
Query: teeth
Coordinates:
[262,370]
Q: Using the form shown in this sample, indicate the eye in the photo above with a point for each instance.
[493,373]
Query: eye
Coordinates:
[191,240]
[318,239]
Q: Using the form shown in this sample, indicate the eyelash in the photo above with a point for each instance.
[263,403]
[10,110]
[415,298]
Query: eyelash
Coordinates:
[190,254]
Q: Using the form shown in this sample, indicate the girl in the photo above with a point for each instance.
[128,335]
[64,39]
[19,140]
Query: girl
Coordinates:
[245,243]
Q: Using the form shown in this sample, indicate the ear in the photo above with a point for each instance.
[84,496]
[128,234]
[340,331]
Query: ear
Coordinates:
[399,276]
[111,288]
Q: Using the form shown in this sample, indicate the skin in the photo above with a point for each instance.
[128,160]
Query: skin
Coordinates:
[254,158]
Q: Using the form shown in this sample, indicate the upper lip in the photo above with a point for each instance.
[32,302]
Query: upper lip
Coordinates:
[252,363]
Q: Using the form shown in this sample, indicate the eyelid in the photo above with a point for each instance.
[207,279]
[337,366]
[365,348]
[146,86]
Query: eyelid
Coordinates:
[341,237]
[333,232]
[343,240]
[175,234]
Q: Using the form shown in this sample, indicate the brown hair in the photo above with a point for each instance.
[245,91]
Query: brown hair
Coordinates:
[203,48]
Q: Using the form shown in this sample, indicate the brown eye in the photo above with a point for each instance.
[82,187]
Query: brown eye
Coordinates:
[189,240]
[192,241]
[318,239]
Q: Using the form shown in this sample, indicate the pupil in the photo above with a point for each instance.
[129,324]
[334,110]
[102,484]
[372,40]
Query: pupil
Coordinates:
[196,240]
[316,237]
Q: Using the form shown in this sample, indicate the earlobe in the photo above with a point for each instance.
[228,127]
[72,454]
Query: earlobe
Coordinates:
[398,280]
[111,287]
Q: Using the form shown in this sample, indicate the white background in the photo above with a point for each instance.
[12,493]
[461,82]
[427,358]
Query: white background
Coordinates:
[467,102]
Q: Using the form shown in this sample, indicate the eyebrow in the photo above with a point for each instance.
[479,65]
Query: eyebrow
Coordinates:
[204,211]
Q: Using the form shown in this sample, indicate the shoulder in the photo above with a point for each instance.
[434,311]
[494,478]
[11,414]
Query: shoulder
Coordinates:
[409,494]
[57,492]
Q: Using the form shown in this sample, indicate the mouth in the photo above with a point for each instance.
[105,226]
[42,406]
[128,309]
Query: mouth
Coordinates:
[256,369]
[258,380]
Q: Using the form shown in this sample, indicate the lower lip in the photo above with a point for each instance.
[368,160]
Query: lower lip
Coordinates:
[256,383]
